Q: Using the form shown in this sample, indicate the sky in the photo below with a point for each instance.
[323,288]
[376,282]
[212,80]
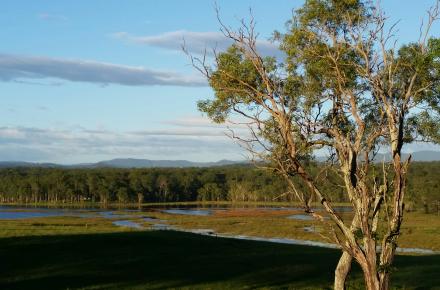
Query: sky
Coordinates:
[85,81]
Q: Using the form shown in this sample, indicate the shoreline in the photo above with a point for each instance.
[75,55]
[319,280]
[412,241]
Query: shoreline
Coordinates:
[177,203]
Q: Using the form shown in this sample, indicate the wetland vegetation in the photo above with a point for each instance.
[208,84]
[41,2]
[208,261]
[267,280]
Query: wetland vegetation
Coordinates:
[88,251]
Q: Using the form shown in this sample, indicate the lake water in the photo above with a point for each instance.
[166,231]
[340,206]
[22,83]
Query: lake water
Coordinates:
[129,224]
[301,217]
[13,215]
[7,212]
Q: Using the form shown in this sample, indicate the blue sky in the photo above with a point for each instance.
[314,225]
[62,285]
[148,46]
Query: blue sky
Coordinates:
[83,81]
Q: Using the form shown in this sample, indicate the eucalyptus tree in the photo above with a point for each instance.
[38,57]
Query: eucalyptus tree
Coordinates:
[122,195]
[135,184]
[344,86]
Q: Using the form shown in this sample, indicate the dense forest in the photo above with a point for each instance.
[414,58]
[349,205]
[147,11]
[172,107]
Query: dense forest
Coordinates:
[228,183]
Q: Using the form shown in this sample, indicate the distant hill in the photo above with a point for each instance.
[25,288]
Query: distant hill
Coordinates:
[145,163]
[123,163]
[421,156]
[12,164]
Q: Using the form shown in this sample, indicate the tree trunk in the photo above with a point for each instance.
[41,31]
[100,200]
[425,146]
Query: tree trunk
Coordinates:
[384,280]
[342,271]
[370,276]
[371,282]
[344,265]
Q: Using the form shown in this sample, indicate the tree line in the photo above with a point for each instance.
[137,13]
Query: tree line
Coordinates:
[229,183]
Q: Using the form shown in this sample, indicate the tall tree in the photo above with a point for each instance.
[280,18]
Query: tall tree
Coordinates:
[343,86]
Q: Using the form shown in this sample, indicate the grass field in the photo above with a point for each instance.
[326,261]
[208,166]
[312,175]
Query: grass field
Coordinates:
[92,253]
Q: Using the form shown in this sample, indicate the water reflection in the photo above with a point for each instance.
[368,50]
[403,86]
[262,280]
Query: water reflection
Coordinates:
[13,215]
[129,224]
[301,217]
[310,229]
[163,227]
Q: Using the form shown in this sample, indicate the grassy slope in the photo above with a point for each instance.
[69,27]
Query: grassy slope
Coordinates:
[158,259]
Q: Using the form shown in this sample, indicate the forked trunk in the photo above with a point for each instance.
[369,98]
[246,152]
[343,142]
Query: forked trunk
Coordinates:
[373,282]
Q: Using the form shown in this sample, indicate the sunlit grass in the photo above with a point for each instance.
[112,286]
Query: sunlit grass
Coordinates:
[56,226]
[419,230]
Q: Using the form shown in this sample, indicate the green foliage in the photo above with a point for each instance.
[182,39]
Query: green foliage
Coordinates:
[243,183]
[386,268]
[331,13]
[358,234]
[210,191]
[231,81]
[122,195]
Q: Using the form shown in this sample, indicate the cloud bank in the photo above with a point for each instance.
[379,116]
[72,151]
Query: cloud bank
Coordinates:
[195,42]
[20,67]
[84,145]
[190,139]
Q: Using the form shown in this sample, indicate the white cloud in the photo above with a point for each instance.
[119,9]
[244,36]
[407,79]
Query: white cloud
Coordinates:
[20,67]
[180,132]
[205,122]
[195,42]
[193,121]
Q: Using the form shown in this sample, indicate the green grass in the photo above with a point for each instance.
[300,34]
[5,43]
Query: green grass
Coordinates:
[161,259]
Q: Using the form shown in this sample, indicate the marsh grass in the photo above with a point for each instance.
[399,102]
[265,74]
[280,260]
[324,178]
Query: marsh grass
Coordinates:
[56,226]
[419,230]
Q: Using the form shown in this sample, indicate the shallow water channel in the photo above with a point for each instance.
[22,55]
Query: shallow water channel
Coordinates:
[16,213]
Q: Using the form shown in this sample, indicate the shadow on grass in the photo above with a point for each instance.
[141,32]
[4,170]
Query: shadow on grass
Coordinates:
[162,259]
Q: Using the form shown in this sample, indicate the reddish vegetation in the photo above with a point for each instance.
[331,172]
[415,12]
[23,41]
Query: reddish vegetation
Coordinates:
[253,212]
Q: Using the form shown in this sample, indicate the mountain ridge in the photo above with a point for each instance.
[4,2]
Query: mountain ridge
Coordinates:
[123,163]
[420,156]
